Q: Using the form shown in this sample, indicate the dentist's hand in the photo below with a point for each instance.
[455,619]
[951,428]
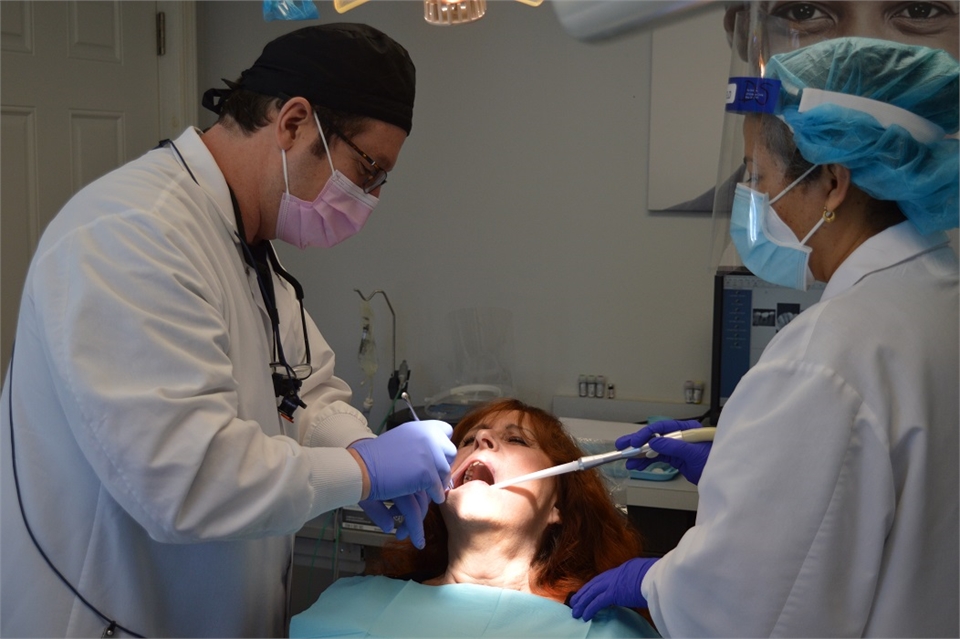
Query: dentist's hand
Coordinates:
[410,465]
[689,458]
[412,457]
[406,516]
[618,586]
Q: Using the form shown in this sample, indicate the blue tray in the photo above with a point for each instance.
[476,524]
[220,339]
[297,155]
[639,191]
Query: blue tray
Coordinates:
[657,471]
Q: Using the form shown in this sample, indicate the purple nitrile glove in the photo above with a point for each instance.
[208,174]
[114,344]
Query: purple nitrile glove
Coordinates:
[412,457]
[406,516]
[618,586]
[687,457]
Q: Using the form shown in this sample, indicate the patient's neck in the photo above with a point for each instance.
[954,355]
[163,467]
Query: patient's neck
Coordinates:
[489,556]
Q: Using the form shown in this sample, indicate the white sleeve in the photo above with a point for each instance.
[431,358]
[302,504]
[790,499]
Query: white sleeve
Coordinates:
[135,332]
[795,502]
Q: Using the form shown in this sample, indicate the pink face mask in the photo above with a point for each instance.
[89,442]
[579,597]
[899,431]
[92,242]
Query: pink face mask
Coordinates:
[340,210]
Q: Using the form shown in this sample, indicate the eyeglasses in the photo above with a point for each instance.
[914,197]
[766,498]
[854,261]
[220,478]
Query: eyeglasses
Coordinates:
[376,177]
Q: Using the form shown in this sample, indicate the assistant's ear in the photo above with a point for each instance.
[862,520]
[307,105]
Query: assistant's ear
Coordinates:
[294,120]
[839,185]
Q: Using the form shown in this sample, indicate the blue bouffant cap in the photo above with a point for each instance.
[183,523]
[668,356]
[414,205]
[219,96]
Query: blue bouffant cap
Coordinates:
[346,67]
[882,109]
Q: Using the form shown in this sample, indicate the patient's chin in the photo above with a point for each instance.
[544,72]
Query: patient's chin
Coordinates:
[473,499]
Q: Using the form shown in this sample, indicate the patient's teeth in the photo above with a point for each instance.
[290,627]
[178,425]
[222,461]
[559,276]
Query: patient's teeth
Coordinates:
[477,470]
[468,476]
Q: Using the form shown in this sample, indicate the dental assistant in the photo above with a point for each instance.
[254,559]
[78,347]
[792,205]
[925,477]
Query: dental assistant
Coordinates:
[828,503]
[171,415]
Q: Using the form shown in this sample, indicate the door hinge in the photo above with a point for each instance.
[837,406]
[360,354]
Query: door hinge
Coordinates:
[161,33]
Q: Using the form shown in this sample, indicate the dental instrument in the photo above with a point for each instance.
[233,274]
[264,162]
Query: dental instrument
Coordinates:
[691,435]
[406,398]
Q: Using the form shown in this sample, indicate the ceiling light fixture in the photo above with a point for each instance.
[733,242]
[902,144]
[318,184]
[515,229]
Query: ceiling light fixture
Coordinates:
[441,12]
[447,12]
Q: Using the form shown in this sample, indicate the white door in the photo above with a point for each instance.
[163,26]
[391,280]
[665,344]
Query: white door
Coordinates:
[81,85]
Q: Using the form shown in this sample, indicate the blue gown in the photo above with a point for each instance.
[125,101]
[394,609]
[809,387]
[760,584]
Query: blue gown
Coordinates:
[384,607]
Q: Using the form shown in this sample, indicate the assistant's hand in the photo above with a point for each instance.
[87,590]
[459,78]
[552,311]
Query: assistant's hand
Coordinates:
[406,516]
[618,586]
[414,456]
[687,457]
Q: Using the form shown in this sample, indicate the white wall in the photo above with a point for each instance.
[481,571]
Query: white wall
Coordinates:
[522,186]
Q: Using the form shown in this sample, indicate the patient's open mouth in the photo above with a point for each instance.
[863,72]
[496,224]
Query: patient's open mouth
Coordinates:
[476,471]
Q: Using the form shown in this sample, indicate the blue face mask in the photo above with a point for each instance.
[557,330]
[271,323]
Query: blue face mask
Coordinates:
[765,243]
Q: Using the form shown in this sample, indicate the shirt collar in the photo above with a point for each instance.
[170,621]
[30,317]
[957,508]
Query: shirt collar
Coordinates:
[887,248]
[208,174]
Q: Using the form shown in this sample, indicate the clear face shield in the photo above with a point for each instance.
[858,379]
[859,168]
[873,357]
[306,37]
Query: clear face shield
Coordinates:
[889,105]
[750,100]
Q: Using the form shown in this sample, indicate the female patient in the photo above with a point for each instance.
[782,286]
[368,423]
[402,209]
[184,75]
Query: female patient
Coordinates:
[498,562]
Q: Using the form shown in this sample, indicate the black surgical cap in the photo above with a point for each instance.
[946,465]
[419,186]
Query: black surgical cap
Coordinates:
[352,68]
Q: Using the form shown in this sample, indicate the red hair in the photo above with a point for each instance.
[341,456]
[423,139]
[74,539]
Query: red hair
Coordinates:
[593,536]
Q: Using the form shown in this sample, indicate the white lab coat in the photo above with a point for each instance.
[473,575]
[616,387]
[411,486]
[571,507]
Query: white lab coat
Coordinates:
[153,466]
[829,503]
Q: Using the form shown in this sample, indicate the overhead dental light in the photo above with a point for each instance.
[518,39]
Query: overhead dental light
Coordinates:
[441,12]
[444,12]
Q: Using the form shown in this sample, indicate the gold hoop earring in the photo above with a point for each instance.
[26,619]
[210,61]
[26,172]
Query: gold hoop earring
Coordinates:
[829,216]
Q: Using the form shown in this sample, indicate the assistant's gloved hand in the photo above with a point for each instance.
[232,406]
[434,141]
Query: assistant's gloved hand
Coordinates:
[687,457]
[412,457]
[618,586]
[405,515]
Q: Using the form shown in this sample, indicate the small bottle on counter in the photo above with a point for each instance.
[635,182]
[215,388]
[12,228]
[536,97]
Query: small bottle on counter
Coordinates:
[582,386]
[591,386]
[601,386]
[611,391]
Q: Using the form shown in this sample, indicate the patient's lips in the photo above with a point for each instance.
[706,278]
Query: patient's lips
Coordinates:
[476,471]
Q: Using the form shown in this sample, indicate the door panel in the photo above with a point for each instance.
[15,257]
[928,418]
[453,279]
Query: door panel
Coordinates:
[80,97]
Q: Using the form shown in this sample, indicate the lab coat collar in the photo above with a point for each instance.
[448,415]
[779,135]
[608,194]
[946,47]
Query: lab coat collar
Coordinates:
[207,172]
[885,249]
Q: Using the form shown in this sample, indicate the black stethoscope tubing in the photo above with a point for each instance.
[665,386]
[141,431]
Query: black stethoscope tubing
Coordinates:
[112,625]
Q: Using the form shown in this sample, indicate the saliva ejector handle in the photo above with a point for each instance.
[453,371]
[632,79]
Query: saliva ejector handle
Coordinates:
[691,435]
[406,398]
[703,434]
